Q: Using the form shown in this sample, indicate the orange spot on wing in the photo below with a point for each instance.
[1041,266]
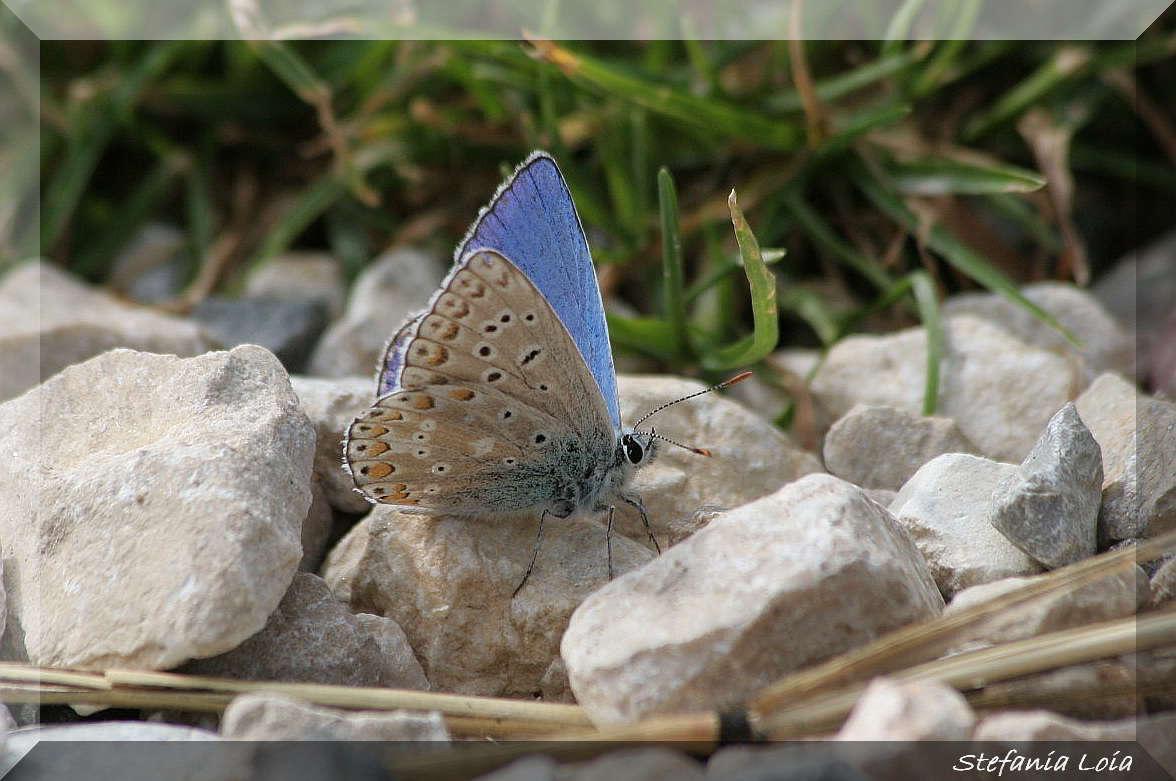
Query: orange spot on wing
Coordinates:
[378,470]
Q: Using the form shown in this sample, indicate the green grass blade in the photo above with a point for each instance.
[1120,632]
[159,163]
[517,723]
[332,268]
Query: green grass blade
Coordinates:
[618,176]
[1020,213]
[297,74]
[94,260]
[672,274]
[928,305]
[639,165]
[833,88]
[199,202]
[725,270]
[947,53]
[827,238]
[1064,65]
[645,335]
[944,176]
[852,127]
[92,131]
[899,28]
[294,71]
[962,257]
[815,313]
[19,171]
[712,116]
[765,314]
[1123,164]
[310,205]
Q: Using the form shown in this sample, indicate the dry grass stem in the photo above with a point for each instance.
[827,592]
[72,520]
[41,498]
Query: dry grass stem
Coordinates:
[922,642]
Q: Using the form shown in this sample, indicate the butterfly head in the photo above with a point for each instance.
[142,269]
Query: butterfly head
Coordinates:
[638,448]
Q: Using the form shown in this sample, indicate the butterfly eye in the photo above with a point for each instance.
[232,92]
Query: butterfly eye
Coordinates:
[633,450]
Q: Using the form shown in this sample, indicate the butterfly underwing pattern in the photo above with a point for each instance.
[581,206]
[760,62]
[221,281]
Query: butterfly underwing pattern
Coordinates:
[501,395]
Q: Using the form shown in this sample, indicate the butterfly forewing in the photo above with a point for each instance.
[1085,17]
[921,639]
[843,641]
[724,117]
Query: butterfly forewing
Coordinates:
[488,384]
[533,221]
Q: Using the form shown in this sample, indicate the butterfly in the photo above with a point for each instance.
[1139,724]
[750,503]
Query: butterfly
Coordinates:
[501,395]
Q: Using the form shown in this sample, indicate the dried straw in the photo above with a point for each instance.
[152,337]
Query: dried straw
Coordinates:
[466,716]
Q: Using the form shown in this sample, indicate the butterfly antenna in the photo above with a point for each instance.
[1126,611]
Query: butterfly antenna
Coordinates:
[699,450]
[702,451]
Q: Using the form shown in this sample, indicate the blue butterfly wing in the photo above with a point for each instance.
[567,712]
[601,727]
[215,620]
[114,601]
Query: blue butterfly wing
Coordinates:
[533,222]
[393,364]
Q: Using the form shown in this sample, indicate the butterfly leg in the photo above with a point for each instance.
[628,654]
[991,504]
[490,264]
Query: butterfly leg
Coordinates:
[534,555]
[608,538]
[634,501]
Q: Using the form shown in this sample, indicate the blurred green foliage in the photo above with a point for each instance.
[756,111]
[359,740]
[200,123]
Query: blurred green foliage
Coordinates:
[891,173]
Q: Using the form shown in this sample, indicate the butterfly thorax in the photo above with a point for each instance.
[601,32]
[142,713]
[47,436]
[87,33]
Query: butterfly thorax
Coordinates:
[600,478]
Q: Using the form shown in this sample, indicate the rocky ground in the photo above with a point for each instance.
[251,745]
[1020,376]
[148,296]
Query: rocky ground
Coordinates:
[171,498]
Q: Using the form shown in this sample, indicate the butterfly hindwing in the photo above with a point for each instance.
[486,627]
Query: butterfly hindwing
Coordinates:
[392,363]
